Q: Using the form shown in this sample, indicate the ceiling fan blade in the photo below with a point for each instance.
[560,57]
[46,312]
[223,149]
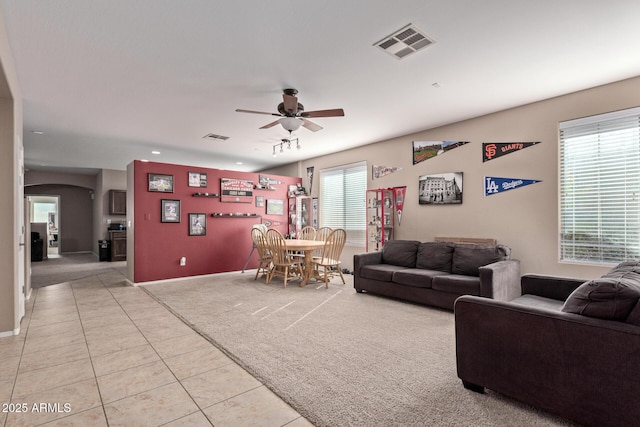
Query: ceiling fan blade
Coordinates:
[272,124]
[336,112]
[311,126]
[257,112]
[290,104]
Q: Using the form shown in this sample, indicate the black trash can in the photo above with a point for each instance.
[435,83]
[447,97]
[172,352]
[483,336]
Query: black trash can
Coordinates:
[104,249]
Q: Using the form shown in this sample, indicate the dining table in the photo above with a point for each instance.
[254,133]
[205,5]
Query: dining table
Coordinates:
[307,247]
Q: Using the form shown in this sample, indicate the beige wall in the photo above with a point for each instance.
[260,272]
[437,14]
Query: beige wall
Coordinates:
[10,187]
[526,219]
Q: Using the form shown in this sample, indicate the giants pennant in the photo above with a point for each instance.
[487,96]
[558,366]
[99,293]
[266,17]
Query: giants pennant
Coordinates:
[492,150]
[494,185]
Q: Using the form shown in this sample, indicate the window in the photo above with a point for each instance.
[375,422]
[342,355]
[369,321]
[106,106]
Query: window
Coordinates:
[343,200]
[600,188]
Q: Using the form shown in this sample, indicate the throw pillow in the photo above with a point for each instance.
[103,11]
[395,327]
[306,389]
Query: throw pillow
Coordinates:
[400,252]
[610,298]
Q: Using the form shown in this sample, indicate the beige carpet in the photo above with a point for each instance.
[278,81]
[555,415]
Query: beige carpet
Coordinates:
[66,268]
[341,358]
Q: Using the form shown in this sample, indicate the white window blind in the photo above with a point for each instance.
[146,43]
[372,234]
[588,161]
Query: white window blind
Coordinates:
[600,188]
[343,200]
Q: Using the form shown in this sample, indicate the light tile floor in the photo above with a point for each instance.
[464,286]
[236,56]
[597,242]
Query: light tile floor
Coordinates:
[96,352]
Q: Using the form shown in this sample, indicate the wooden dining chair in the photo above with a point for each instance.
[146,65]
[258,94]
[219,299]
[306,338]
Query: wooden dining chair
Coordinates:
[283,263]
[264,257]
[322,233]
[330,257]
[307,233]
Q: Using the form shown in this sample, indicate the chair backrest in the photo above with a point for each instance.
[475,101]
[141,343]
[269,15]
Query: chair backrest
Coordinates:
[322,233]
[307,233]
[334,244]
[260,227]
[277,247]
[260,242]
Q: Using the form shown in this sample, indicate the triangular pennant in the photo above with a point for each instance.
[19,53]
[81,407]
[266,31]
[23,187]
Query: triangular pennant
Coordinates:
[380,171]
[493,150]
[398,195]
[494,185]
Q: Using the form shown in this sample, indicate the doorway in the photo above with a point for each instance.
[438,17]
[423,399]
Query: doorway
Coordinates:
[45,219]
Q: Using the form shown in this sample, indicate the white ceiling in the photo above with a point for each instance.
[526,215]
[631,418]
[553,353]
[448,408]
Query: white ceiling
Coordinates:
[108,81]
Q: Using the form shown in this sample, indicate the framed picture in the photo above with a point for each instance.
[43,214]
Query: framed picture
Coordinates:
[160,183]
[197,224]
[275,207]
[197,179]
[440,189]
[169,210]
[259,201]
[424,150]
[236,190]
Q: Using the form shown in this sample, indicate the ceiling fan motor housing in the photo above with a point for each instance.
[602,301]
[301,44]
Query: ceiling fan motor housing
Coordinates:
[284,112]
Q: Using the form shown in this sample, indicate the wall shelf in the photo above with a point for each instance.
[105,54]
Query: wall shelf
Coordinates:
[235,215]
[214,195]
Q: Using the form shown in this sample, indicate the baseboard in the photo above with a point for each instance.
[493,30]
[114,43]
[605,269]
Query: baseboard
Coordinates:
[175,279]
[10,333]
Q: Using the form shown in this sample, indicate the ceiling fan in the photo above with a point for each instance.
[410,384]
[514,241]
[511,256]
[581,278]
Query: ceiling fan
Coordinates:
[293,115]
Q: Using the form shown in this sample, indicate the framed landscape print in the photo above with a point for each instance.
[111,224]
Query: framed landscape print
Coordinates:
[169,210]
[197,224]
[160,183]
[275,207]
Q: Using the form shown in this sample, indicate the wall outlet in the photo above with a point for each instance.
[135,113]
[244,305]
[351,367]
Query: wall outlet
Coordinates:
[183,261]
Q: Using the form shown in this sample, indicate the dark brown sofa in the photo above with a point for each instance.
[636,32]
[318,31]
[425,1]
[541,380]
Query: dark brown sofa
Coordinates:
[566,346]
[436,273]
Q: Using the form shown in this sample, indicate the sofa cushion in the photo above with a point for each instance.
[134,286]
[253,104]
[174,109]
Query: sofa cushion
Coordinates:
[400,252]
[634,316]
[539,302]
[382,272]
[456,284]
[435,256]
[610,298]
[468,258]
[416,277]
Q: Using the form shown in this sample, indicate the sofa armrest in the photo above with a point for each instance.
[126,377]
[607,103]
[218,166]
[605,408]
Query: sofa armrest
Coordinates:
[501,280]
[360,260]
[558,288]
[576,366]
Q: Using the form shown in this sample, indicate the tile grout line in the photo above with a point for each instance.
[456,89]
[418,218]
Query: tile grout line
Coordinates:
[162,359]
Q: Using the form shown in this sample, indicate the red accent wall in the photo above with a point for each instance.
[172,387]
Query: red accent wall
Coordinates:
[159,246]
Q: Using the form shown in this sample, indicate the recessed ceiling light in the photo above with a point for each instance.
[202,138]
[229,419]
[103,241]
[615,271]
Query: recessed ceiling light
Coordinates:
[238,163]
[155,152]
[38,132]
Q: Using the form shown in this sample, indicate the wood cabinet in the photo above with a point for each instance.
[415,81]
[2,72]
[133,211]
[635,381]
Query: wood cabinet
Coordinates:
[117,202]
[118,245]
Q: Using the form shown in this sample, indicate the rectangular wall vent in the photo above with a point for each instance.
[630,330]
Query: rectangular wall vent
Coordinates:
[214,136]
[405,41]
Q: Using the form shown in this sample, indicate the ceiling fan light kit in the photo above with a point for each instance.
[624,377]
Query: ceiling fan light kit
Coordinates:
[291,123]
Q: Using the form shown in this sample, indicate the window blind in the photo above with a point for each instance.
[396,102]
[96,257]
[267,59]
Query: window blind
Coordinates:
[343,200]
[600,188]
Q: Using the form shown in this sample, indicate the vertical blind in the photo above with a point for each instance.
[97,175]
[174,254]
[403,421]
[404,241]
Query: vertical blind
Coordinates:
[600,188]
[343,200]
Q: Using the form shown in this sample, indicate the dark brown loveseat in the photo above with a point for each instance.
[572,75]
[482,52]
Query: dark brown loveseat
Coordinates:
[566,346]
[436,273]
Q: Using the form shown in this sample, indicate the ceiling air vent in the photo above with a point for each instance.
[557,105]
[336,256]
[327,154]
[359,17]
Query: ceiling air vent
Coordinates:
[404,42]
[214,136]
